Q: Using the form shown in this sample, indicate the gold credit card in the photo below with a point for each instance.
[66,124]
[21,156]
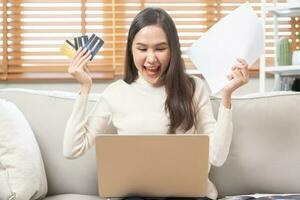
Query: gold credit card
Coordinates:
[68,49]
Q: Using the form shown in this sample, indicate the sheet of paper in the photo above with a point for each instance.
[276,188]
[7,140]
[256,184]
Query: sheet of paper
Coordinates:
[263,196]
[238,35]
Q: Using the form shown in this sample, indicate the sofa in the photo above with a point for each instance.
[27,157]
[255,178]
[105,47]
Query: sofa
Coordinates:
[264,154]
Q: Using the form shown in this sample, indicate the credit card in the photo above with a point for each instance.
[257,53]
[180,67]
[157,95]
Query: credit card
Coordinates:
[68,49]
[80,41]
[93,45]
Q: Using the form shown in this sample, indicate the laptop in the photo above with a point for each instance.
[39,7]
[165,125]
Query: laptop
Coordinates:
[152,165]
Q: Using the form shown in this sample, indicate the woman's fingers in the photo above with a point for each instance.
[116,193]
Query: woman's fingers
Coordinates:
[240,76]
[80,68]
[78,55]
[243,62]
[243,67]
[80,60]
[82,65]
[237,75]
[237,66]
[84,59]
[230,77]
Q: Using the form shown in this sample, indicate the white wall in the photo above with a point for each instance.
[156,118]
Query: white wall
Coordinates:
[251,87]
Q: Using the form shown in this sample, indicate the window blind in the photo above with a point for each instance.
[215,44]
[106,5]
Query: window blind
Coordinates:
[3,35]
[37,28]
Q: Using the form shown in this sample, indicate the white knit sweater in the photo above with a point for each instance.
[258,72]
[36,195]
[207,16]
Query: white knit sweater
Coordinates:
[138,108]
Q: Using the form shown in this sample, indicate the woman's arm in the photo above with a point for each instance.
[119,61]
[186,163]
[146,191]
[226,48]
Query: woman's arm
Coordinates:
[81,129]
[219,131]
[226,100]
[238,77]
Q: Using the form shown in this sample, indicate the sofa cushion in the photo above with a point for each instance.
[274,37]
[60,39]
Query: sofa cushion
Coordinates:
[48,121]
[22,173]
[264,153]
[73,197]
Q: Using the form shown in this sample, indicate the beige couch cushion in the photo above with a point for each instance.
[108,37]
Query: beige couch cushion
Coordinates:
[22,174]
[48,121]
[264,154]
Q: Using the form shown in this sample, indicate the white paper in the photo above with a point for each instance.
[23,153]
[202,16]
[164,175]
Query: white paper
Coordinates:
[238,35]
[258,195]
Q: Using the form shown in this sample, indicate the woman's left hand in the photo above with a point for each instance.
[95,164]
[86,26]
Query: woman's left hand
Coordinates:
[238,77]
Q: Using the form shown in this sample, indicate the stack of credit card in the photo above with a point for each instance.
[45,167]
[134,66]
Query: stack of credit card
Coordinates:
[93,44]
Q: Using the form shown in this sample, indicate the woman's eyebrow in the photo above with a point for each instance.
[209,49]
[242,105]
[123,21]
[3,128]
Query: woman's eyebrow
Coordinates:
[159,44]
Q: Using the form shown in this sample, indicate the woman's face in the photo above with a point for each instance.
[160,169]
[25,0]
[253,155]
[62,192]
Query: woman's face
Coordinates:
[151,53]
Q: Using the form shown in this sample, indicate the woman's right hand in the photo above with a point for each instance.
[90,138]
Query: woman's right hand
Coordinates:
[78,68]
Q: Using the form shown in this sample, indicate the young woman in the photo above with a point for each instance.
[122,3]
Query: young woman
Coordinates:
[156,96]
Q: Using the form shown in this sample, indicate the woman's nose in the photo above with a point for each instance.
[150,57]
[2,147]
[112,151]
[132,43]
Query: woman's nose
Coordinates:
[151,57]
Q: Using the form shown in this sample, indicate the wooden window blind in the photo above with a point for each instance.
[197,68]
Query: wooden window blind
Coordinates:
[3,36]
[37,28]
[33,30]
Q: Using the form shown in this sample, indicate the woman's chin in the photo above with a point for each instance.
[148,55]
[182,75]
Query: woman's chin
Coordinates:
[152,79]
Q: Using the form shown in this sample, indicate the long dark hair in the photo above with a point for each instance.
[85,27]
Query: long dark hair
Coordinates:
[180,88]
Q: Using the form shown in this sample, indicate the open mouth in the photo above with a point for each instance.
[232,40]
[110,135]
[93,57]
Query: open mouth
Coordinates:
[152,71]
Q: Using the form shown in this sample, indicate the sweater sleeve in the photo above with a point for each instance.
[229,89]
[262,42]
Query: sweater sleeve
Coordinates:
[220,131]
[81,130]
